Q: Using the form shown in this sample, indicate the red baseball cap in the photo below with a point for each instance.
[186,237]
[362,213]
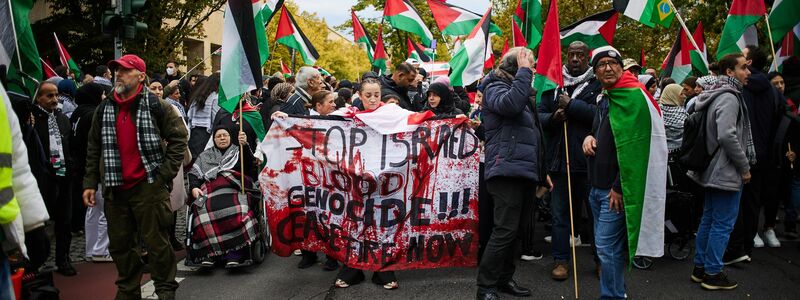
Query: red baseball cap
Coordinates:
[128,61]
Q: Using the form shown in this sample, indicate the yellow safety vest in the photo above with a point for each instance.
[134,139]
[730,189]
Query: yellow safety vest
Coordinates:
[9,208]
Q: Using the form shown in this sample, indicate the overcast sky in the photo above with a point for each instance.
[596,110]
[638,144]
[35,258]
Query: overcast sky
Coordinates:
[337,12]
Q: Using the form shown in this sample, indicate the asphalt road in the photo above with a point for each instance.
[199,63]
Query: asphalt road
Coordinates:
[774,273]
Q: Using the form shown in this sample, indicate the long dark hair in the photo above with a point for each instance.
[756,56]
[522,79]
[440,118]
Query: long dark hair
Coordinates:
[203,88]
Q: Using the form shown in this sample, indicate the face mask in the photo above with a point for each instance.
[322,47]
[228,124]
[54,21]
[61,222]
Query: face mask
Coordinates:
[170,71]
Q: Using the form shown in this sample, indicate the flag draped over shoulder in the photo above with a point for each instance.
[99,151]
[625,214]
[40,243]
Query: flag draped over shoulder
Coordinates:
[641,141]
[596,30]
[360,36]
[454,20]
[742,16]
[548,68]
[290,35]
[241,61]
[402,15]
[467,65]
[20,46]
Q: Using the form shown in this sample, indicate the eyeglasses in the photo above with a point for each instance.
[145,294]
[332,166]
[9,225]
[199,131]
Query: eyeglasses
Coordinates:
[603,65]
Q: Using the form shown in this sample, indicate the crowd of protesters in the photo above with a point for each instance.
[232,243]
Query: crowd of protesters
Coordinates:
[115,155]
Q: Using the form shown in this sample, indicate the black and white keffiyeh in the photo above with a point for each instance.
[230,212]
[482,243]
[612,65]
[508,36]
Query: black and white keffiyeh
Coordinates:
[579,82]
[148,139]
[56,144]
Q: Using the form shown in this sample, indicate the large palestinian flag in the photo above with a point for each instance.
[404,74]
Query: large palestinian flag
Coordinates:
[528,17]
[241,62]
[788,47]
[467,65]
[360,36]
[743,15]
[638,129]
[402,15]
[454,20]
[262,13]
[596,30]
[784,15]
[548,69]
[290,35]
[647,12]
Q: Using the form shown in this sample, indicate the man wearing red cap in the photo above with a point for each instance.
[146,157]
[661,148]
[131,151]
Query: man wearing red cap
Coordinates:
[135,148]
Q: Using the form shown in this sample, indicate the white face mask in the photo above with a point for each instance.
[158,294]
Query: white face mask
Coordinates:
[170,71]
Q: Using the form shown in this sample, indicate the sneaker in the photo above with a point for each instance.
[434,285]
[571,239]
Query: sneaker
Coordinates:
[758,242]
[771,239]
[65,268]
[208,262]
[548,239]
[298,252]
[698,273]
[732,257]
[718,281]
[532,255]
[577,240]
[102,258]
[560,272]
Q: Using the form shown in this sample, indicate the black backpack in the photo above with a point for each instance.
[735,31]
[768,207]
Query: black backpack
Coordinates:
[693,154]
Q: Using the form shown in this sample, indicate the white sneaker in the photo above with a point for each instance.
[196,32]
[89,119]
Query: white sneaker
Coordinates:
[771,239]
[577,240]
[298,252]
[548,239]
[757,242]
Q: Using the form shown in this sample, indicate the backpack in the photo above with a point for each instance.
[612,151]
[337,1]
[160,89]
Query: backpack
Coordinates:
[693,154]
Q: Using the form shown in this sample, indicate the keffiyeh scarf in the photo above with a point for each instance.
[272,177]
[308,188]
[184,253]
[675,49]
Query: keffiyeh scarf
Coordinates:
[213,161]
[735,84]
[56,144]
[580,82]
[147,137]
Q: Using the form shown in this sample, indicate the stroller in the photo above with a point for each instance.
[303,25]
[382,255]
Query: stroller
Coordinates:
[678,219]
[257,249]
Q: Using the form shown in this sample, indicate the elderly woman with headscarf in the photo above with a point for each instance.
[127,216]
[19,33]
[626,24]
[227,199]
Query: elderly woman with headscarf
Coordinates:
[223,224]
[671,103]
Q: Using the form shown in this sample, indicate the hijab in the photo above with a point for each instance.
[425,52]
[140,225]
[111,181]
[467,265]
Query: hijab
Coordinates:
[671,96]
[215,160]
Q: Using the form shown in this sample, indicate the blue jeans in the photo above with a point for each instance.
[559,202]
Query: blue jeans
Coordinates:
[720,210]
[559,208]
[6,288]
[609,235]
[794,203]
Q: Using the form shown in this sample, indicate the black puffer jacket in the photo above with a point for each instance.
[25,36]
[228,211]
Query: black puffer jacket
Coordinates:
[765,110]
[390,88]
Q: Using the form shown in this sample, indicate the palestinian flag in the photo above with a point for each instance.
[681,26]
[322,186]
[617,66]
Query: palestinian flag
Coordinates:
[261,15]
[66,60]
[454,20]
[784,15]
[548,68]
[517,38]
[489,63]
[647,12]
[699,56]
[528,17]
[415,52]
[285,70]
[743,14]
[241,61]
[48,70]
[787,48]
[19,46]
[379,61]
[641,58]
[467,65]
[678,64]
[402,15]
[269,8]
[596,30]
[360,36]
[638,129]
[505,48]
[322,71]
[290,35]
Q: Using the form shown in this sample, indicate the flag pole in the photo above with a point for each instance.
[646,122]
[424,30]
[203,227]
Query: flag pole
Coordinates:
[571,222]
[198,64]
[769,34]
[689,35]
[241,129]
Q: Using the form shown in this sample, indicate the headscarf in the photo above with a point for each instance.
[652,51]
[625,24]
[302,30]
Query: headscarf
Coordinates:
[647,80]
[214,160]
[446,104]
[671,96]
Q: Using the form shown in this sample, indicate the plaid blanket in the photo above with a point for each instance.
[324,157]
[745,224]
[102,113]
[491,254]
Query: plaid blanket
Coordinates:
[223,221]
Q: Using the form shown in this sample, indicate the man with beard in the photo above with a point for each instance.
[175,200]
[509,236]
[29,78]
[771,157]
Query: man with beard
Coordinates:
[576,106]
[126,154]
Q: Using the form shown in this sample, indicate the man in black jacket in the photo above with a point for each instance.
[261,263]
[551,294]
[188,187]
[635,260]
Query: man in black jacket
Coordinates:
[576,106]
[396,85]
[514,166]
[308,82]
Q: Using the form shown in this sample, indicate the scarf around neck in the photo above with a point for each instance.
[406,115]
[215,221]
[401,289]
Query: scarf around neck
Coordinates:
[214,161]
[580,82]
[56,144]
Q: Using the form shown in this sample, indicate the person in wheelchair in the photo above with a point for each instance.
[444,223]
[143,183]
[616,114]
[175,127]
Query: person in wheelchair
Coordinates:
[224,225]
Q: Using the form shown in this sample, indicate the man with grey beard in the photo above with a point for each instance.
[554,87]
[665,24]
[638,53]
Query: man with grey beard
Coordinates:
[135,147]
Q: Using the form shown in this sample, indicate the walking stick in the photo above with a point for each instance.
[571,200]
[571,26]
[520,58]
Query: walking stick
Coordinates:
[241,129]
[571,223]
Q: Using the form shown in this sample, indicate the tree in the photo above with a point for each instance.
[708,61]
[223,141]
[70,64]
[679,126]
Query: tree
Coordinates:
[78,25]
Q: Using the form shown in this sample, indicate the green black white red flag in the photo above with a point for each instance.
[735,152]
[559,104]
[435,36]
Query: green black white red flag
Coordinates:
[741,18]
[528,17]
[290,35]
[548,68]
[699,56]
[784,15]
[454,20]
[379,61]
[415,52]
[596,30]
[66,59]
[402,15]
[678,64]
[241,62]
[788,48]
[360,36]
[467,65]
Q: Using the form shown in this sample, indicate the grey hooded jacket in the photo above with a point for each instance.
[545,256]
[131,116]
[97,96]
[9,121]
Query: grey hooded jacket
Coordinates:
[728,135]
